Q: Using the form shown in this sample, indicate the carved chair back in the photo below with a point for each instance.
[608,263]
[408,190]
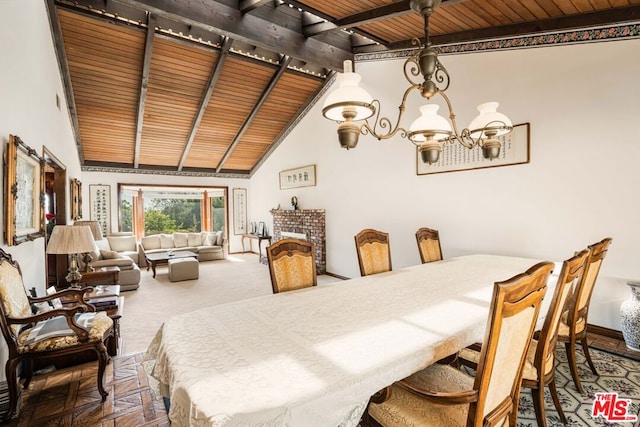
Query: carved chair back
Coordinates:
[513,314]
[429,245]
[374,252]
[292,265]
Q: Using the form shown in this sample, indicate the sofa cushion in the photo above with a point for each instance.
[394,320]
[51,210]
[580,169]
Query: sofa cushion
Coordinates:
[180,240]
[151,242]
[122,243]
[119,262]
[166,241]
[194,239]
[109,254]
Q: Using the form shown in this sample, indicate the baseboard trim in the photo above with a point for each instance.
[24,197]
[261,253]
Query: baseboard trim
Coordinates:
[605,332]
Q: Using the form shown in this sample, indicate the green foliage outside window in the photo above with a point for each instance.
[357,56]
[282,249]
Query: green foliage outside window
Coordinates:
[169,215]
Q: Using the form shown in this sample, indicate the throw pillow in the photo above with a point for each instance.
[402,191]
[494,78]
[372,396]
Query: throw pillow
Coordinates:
[180,240]
[193,239]
[210,239]
[109,254]
[166,241]
[58,327]
[219,238]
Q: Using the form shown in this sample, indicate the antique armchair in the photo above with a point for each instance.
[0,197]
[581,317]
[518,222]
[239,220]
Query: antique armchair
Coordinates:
[428,245]
[28,337]
[539,369]
[573,323]
[441,395]
[292,265]
[374,253]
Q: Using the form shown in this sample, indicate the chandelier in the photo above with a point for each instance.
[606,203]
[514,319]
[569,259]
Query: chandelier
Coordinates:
[349,104]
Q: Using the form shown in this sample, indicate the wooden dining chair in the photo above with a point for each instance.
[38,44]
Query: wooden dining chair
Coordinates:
[539,369]
[30,337]
[441,395]
[429,245]
[374,252]
[573,323]
[292,265]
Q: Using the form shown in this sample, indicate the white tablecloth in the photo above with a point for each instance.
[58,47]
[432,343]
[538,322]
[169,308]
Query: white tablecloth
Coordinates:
[314,357]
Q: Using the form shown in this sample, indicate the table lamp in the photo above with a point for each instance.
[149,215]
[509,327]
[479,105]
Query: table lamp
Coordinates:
[96,231]
[71,240]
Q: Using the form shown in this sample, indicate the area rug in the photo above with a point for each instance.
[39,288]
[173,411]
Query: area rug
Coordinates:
[617,375]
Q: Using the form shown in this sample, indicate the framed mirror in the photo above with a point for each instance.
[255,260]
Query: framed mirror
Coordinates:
[24,183]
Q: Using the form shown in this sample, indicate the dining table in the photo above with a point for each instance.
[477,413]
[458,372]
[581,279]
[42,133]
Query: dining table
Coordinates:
[314,357]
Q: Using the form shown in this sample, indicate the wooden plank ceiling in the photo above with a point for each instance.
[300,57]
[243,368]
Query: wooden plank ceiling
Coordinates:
[210,86]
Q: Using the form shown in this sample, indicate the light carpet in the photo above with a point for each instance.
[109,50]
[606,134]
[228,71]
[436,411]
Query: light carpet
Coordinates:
[240,276]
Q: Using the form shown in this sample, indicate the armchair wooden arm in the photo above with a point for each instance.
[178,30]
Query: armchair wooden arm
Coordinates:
[69,314]
[76,296]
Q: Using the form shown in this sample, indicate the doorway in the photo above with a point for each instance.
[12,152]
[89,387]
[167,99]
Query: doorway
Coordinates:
[55,211]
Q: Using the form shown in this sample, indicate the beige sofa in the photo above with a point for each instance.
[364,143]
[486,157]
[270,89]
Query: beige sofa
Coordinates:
[120,251]
[209,245]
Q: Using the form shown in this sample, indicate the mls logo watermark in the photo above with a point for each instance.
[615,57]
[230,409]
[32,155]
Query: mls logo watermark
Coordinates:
[612,408]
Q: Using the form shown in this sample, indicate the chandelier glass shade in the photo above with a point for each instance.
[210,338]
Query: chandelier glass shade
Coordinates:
[351,106]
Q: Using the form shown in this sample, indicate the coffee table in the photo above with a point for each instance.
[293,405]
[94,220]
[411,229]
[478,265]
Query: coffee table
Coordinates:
[156,258]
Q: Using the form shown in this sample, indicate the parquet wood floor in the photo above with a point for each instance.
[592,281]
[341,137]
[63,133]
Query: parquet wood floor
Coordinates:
[69,397]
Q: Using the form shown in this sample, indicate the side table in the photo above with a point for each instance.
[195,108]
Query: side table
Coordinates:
[101,276]
[258,238]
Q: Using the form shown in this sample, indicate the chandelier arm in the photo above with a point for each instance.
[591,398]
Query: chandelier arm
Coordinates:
[384,122]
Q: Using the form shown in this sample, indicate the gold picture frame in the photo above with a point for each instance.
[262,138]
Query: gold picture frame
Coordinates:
[24,201]
[76,199]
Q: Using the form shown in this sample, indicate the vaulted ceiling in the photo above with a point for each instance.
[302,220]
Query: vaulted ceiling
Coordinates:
[213,86]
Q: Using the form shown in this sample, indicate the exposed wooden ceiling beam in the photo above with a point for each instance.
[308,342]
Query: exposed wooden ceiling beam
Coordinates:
[299,115]
[146,66]
[326,26]
[63,65]
[215,75]
[221,18]
[246,6]
[562,23]
[376,14]
[265,94]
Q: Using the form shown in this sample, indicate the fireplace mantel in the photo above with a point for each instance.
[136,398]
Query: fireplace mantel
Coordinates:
[310,222]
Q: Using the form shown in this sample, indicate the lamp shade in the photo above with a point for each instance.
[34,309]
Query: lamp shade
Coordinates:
[96,230]
[348,96]
[489,118]
[429,122]
[69,239]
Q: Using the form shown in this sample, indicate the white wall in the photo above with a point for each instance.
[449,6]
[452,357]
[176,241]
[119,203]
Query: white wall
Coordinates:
[113,179]
[580,186]
[29,82]
[28,87]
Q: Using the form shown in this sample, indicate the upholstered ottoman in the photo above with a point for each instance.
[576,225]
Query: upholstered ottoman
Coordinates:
[183,269]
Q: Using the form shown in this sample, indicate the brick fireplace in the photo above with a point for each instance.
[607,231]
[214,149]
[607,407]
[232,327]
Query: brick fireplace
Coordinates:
[310,222]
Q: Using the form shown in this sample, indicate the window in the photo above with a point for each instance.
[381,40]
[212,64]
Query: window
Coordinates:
[169,209]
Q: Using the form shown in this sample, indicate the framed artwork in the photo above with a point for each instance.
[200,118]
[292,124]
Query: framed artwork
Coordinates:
[76,199]
[100,201]
[239,211]
[262,229]
[304,176]
[455,157]
[24,201]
